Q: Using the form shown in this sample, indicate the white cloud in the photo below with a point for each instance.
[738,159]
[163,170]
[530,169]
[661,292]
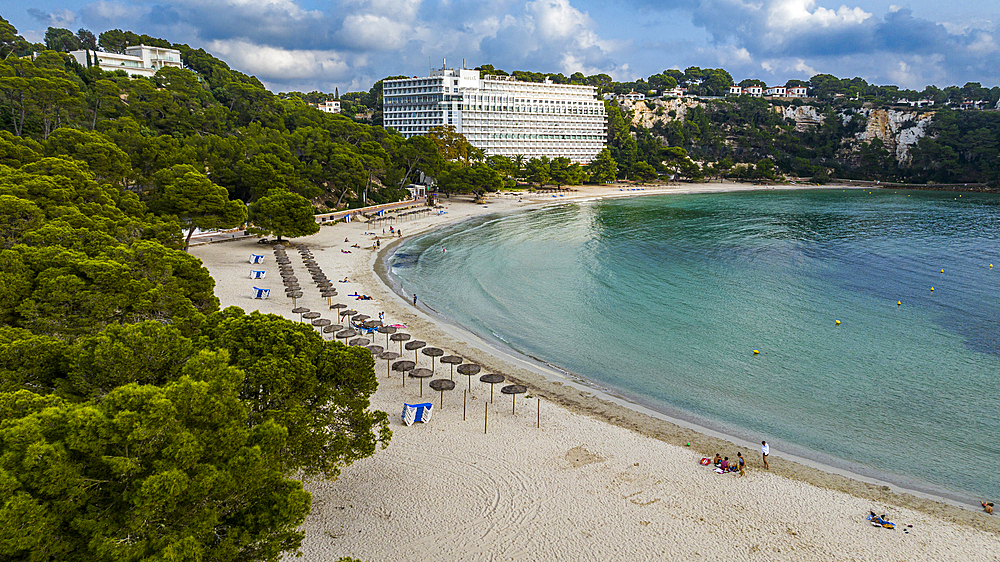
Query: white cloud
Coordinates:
[374,32]
[802,15]
[277,64]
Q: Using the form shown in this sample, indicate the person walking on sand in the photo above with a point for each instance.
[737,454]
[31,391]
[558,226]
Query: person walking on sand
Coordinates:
[741,463]
[764,451]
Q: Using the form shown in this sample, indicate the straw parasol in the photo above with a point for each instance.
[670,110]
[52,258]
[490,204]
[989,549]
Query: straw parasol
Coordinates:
[290,278]
[332,328]
[311,315]
[344,334]
[514,390]
[469,370]
[349,313]
[491,380]
[388,356]
[452,360]
[402,367]
[300,311]
[442,385]
[421,374]
[359,342]
[375,349]
[294,295]
[432,352]
[321,322]
[400,337]
[387,330]
[414,346]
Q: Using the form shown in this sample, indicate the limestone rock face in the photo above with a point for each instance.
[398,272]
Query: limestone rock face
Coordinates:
[898,130]
[643,116]
[805,116]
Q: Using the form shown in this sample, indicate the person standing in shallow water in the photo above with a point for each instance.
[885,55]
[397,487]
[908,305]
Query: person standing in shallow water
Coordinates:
[764,451]
[414,299]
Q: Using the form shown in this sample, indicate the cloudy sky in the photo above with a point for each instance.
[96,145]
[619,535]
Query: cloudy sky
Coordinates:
[310,45]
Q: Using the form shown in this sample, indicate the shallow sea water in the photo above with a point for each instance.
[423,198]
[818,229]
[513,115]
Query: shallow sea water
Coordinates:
[663,299]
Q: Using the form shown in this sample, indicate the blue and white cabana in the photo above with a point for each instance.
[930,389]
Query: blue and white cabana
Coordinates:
[259,293]
[256,258]
[257,274]
[417,413]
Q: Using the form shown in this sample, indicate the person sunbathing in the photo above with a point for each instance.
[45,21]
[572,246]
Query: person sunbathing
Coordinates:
[988,507]
[345,251]
[345,280]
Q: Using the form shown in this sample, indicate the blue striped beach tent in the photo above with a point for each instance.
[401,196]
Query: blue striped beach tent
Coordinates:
[417,413]
[259,293]
[256,258]
[347,218]
[257,274]
[381,212]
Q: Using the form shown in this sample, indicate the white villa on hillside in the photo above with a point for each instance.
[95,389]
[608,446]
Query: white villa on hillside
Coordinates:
[500,114]
[771,91]
[139,60]
[329,106]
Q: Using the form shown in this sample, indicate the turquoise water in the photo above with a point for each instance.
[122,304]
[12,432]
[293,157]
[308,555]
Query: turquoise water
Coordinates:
[664,298]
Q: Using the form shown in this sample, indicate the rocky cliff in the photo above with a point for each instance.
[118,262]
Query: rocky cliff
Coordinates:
[898,130]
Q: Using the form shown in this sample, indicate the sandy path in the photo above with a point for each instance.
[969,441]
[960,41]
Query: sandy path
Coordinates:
[578,487]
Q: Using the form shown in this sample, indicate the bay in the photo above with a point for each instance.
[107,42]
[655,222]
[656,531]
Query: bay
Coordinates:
[663,300]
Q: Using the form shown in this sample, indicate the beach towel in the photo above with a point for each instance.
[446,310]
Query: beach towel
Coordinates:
[259,293]
[255,258]
[255,274]
[417,413]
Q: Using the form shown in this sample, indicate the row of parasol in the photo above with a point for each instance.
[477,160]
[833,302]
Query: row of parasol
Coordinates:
[357,324]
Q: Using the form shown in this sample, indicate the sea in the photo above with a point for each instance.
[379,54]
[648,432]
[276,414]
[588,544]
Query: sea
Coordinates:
[856,328]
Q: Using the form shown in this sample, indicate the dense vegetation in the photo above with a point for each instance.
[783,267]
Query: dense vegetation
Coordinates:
[137,420]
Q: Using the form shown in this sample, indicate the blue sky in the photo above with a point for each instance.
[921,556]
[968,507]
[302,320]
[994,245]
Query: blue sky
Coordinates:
[348,44]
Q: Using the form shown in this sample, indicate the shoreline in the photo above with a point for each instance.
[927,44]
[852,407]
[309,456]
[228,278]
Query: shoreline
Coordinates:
[599,426]
[803,468]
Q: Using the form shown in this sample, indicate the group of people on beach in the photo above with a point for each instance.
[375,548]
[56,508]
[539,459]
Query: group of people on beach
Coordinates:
[723,464]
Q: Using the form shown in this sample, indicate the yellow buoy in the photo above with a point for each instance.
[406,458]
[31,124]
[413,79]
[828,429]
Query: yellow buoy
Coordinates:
[755,352]
[932,288]
[942,271]
[838,322]
[899,303]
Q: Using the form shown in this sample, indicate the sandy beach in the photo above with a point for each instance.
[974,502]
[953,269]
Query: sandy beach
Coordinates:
[572,473]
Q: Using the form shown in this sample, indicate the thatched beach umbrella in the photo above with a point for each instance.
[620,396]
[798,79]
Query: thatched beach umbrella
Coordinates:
[311,315]
[321,322]
[403,367]
[388,356]
[300,311]
[375,349]
[289,279]
[452,360]
[332,328]
[469,370]
[514,390]
[387,330]
[491,380]
[349,313]
[359,342]
[421,374]
[442,385]
[414,346]
[432,352]
[328,294]
[293,295]
[400,337]
[344,334]
[338,307]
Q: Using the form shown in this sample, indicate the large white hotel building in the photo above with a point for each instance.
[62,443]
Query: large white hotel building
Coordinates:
[499,114]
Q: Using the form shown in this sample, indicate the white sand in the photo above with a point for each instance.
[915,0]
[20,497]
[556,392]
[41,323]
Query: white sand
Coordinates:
[578,487]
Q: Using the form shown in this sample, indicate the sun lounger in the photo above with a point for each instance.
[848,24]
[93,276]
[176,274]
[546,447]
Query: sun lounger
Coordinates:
[259,293]
[256,258]
[417,413]
[257,274]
